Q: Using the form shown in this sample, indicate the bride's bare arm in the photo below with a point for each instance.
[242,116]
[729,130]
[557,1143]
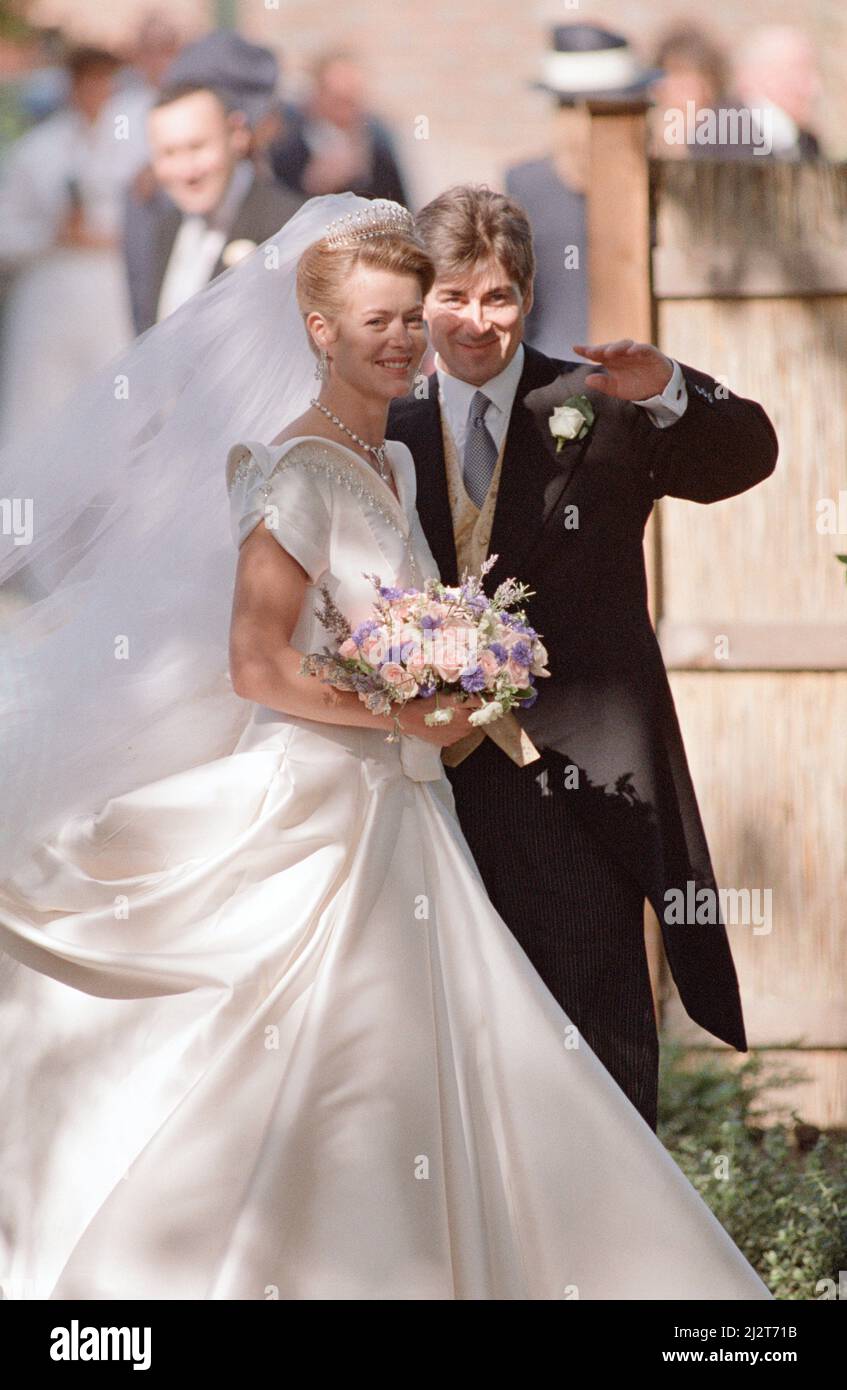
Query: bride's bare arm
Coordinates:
[270,588]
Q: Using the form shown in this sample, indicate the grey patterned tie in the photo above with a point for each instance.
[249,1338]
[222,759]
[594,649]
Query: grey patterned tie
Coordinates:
[480,451]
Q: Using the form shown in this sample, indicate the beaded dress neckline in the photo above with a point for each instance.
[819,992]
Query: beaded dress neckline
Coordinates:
[359,478]
[398,499]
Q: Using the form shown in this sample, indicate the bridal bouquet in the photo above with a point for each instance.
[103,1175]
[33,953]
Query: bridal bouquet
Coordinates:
[434,641]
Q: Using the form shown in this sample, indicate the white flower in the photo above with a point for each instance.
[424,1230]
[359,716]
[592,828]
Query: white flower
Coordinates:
[539,659]
[235,251]
[438,716]
[566,422]
[486,714]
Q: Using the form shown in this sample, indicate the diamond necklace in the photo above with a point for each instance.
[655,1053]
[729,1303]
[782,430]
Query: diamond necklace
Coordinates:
[378,450]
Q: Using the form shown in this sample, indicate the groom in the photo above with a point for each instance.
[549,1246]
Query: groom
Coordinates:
[570,843]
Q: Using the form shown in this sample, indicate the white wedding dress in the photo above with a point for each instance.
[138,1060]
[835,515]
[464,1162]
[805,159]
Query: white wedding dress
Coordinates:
[277,1042]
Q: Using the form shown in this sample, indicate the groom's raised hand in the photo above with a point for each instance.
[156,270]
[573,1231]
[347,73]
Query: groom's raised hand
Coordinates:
[631,371]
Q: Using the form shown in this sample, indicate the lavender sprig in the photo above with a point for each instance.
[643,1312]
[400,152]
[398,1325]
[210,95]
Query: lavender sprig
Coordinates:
[331,617]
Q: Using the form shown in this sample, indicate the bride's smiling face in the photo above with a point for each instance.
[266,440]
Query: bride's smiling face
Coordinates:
[376,343]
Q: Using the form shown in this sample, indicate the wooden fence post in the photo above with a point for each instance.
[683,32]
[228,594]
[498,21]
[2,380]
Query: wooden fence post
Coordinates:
[620,305]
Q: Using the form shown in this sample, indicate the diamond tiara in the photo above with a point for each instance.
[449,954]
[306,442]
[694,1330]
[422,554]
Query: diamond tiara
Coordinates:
[382,218]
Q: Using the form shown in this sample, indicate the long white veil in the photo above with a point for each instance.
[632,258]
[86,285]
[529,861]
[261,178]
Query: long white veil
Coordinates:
[117,562]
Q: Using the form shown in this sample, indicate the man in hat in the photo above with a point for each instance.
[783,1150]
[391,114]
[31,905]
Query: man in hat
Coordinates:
[212,201]
[585,62]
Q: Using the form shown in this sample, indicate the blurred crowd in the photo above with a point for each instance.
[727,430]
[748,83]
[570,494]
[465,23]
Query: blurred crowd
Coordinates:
[129,180]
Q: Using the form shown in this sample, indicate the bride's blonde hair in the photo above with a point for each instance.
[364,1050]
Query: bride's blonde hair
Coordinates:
[324,271]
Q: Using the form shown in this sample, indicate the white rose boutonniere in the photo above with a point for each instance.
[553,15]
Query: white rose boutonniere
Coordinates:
[571,420]
[235,251]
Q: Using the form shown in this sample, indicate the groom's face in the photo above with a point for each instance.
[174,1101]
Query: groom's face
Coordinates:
[476,320]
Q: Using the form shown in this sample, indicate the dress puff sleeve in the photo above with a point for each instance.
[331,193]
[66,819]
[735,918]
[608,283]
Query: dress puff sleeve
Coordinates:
[293,501]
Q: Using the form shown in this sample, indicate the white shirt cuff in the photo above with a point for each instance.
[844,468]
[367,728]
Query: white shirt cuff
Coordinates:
[666,409]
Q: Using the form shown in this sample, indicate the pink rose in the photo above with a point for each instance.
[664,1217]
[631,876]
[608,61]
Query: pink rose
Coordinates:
[449,670]
[397,676]
[449,651]
[490,665]
[416,662]
[348,648]
[374,648]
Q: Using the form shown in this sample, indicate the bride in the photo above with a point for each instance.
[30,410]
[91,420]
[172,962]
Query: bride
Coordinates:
[271,1039]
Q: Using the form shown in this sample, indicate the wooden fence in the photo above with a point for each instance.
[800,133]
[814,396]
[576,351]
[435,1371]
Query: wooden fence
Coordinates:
[747,268]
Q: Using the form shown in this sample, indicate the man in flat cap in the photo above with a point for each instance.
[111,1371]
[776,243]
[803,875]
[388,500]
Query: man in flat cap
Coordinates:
[212,204]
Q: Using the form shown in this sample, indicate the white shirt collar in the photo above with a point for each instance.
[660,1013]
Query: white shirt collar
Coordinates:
[456,396]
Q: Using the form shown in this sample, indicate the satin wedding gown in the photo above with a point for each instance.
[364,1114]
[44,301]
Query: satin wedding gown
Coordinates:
[277,1043]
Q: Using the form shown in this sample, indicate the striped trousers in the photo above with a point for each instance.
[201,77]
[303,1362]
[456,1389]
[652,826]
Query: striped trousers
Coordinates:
[577,913]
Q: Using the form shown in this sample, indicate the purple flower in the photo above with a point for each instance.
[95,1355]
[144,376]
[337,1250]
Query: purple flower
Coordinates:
[389,593]
[473,679]
[522,653]
[363,630]
[360,681]
[499,651]
[429,622]
[426,690]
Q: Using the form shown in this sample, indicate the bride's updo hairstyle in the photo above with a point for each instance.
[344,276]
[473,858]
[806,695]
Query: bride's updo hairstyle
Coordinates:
[381,238]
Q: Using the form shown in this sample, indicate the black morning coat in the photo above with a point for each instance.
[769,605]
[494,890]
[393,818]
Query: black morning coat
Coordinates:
[571,525]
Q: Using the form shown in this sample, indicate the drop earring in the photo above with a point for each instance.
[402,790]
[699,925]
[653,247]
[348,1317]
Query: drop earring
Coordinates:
[322,366]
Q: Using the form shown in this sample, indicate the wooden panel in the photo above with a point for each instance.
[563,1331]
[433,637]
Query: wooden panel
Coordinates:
[681,272]
[749,228]
[761,557]
[766,753]
[754,646]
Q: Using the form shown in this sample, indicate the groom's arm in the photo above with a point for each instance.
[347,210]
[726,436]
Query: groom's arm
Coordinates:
[720,446]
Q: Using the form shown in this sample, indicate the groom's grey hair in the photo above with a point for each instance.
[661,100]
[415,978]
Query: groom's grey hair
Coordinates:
[469,223]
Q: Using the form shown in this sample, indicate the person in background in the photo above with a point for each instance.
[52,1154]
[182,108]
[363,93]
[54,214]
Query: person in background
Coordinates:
[61,194]
[43,85]
[584,61]
[156,45]
[245,77]
[694,69]
[21,53]
[334,144]
[221,208]
[776,74]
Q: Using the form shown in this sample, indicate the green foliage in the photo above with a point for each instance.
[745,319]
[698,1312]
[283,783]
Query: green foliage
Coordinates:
[780,1190]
